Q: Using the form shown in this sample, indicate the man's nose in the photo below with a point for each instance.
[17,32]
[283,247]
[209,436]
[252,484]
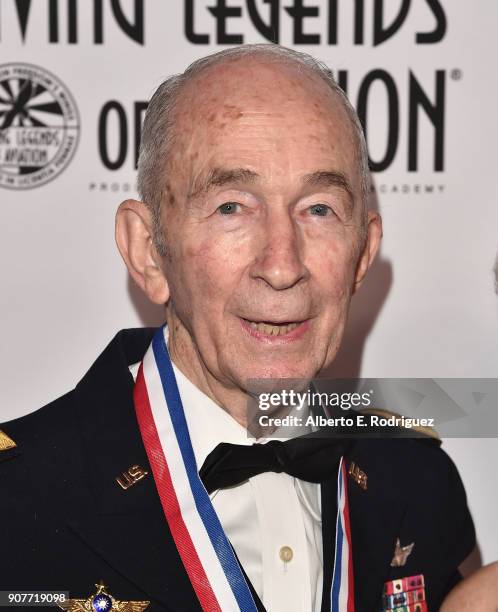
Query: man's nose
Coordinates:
[279,261]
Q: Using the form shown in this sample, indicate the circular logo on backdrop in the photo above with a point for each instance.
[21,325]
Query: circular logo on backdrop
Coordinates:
[39,126]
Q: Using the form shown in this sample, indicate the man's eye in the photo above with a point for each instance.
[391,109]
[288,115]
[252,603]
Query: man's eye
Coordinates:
[320,209]
[228,208]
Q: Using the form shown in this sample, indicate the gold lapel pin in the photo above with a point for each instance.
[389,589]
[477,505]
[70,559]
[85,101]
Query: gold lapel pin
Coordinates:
[102,601]
[6,442]
[401,553]
[358,475]
[132,475]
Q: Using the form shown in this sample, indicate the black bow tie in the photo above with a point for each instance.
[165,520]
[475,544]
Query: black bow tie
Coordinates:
[311,457]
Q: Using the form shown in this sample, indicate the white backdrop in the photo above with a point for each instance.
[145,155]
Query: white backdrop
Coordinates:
[429,307]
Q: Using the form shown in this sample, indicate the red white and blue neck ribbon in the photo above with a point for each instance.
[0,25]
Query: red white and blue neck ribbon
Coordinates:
[206,553]
[342,593]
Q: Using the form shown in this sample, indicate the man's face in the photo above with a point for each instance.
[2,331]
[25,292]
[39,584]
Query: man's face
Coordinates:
[262,220]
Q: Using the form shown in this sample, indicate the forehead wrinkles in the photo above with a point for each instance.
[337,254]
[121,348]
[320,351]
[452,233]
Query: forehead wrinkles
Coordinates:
[286,122]
[208,113]
[210,129]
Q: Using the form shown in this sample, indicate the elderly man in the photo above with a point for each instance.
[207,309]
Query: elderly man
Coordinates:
[253,230]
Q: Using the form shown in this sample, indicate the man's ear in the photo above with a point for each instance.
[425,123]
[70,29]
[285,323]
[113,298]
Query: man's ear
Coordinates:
[136,245]
[370,248]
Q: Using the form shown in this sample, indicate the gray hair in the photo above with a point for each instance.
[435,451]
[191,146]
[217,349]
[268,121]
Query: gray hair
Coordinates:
[158,128]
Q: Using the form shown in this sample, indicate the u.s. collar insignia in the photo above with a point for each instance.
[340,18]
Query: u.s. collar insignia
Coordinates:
[401,553]
[132,475]
[102,601]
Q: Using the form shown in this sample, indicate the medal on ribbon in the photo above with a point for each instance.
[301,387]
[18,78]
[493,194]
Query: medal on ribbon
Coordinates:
[205,551]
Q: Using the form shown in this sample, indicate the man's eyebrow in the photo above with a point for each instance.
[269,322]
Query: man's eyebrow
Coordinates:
[329,178]
[219,177]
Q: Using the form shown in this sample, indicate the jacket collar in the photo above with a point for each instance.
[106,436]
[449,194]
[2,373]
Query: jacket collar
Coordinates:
[108,426]
[122,526]
[126,527]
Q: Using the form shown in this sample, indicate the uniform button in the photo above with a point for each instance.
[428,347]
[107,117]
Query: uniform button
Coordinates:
[286,553]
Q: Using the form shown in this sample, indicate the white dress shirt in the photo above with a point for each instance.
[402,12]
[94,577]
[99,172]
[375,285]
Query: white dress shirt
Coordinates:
[273,521]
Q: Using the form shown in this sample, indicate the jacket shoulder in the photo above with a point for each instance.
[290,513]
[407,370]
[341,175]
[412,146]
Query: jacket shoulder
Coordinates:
[50,431]
[410,462]
[420,475]
[37,430]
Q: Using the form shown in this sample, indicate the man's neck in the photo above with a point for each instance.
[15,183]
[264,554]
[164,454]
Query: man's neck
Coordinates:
[188,360]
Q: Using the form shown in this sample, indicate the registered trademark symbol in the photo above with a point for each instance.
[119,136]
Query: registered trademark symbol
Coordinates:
[456,74]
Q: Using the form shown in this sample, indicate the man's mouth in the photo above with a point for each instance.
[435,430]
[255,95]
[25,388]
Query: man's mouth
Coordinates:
[271,330]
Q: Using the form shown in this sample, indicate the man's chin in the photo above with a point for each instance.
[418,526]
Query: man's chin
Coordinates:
[294,371]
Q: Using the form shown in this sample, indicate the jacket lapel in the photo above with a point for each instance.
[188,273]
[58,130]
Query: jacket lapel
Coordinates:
[375,516]
[375,520]
[125,526]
